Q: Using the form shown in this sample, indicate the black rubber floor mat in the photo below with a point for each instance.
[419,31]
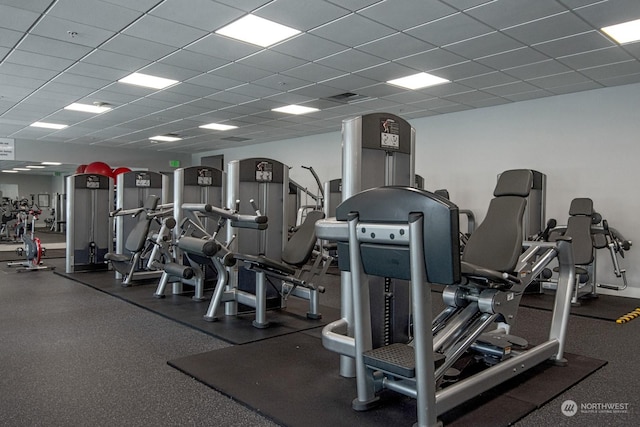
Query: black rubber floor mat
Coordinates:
[294,381]
[182,309]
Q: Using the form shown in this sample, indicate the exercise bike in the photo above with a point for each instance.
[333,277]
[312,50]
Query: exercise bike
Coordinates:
[33,249]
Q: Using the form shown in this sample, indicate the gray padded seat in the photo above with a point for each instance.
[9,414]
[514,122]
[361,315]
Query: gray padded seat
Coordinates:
[495,246]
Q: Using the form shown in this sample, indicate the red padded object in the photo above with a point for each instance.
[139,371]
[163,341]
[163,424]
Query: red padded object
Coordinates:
[99,168]
[121,169]
[81,168]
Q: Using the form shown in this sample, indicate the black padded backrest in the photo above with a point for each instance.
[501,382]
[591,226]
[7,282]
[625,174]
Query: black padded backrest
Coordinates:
[395,205]
[300,246]
[579,229]
[151,204]
[497,242]
[136,239]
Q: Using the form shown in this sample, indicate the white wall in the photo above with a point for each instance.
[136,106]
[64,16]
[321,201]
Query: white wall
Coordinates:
[584,142]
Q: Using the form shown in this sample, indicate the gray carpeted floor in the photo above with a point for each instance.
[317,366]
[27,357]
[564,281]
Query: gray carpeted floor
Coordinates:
[71,355]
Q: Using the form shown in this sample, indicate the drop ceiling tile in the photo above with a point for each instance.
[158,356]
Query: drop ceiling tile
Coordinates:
[461,71]
[246,5]
[352,30]
[57,48]
[231,97]
[193,61]
[578,43]
[289,98]
[450,29]
[254,90]
[203,14]
[386,72]
[22,81]
[48,99]
[192,90]
[209,104]
[403,14]
[578,87]
[169,71]
[313,72]
[59,29]
[105,58]
[105,95]
[166,95]
[14,93]
[81,81]
[557,80]
[510,89]
[507,13]
[611,12]
[446,89]
[349,82]
[139,5]
[539,69]
[281,82]
[309,47]
[453,109]
[17,19]
[579,3]
[163,31]
[38,60]
[143,49]
[612,70]
[91,70]
[596,58]
[223,47]
[487,80]
[547,29]
[513,58]
[433,103]
[407,97]
[633,49]
[395,46]
[351,60]
[484,45]
[287,12]
[488,102]
[271,61]
[95,13]
[431,60]
[238,71]
[380,90]
[621,80]
[526,96]
[8,38]
[32,5]
[214,81]
[8,68]
[316,91]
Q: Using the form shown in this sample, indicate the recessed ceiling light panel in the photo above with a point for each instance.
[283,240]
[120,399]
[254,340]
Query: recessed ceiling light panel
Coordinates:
[295,109]
[147,80]
[52,163]
[165,138]
[625,32]
[88,108]
[9,171]
[35,167]
[418,81]
[48,125]
[218,126]
[259,31]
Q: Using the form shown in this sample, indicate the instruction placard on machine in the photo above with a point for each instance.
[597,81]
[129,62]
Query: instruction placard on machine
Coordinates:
[143,180]
[390,136]
[264,172]
[204,177]
[93,181]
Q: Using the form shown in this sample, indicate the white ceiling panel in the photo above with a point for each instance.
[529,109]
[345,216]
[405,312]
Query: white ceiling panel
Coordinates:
[352,30]
[404,14]
[286,12]
[163,31]
[450,29]
[95,13]
[493,51]
[202,14]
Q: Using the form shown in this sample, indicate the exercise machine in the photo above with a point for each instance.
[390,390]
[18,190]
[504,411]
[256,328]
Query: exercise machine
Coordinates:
[33,249]
[377,150]
[408,234]
[88,223]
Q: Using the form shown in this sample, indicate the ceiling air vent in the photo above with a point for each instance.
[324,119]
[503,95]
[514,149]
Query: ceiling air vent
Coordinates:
[235,139]
[347,97]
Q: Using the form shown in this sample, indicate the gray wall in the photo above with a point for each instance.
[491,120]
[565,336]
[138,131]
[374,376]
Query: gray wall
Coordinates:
[586,144]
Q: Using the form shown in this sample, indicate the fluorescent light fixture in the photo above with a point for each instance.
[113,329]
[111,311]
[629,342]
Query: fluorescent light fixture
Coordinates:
[48,125]
[21,169]
[418,81]
[52,163]
[35,167]
[295,109]
[88,108]
[147,80]
[9,171]
[165,138]
[218,126]
[259,31]
[625,32]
